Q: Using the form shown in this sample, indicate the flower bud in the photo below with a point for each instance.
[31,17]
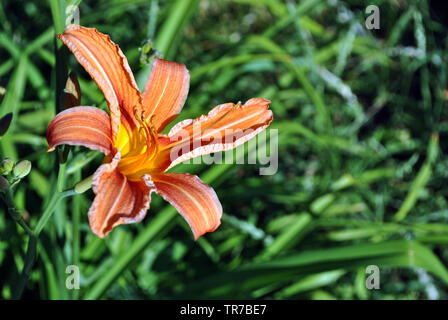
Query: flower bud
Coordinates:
[83,185]
[22,169]
[6,166]
[147,53]
[4,123]
[147,46]
[71,97]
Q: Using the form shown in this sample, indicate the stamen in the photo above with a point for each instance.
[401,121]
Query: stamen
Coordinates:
[144,145]
[150,135]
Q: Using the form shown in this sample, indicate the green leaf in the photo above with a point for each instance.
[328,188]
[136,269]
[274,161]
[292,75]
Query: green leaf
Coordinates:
[240,282]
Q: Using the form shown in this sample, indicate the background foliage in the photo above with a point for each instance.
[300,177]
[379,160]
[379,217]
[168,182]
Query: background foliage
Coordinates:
[362,120]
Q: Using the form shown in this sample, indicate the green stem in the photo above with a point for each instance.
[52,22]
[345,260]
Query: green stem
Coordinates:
[50,209]
[61,70]
[58,13]
[14,213]
[32,242]
[61,177]
[76,217]
[58,195]
[29,261]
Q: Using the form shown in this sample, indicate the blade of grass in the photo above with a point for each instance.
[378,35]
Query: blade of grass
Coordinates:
[310,282]
[288,238]
[11,103]
[420,180]
[243,280]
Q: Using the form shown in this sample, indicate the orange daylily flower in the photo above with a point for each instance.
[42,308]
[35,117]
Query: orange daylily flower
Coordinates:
[137,154]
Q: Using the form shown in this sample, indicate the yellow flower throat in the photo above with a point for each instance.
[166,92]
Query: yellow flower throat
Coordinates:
[138,148]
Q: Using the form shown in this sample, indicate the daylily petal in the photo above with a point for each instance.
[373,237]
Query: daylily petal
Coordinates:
[165,92]
[86,126]
[108,66]
[195,201]
[225,127]
[118,200]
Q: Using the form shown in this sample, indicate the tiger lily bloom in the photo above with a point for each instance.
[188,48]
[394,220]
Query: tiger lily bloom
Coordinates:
[137,154]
